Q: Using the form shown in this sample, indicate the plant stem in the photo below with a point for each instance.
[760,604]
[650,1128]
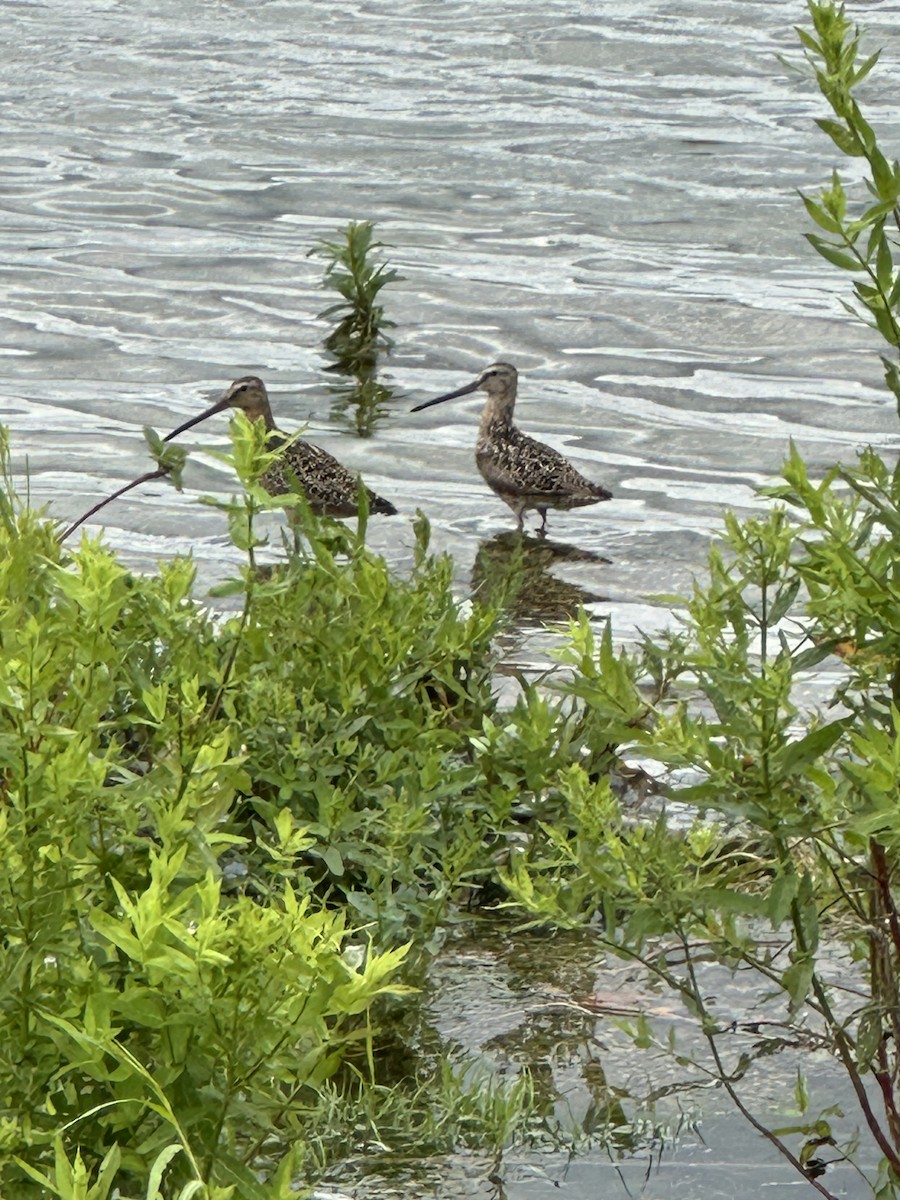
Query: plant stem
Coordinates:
[146,478]
[725,1080]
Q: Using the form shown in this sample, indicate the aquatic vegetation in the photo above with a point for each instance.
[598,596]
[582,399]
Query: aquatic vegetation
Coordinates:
[358,338]
[360,332]
[143,990]
[229,844]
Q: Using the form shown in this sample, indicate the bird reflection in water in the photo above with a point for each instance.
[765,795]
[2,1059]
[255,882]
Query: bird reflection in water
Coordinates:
[515,573]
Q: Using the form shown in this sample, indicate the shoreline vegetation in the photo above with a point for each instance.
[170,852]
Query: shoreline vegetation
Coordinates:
[233,847]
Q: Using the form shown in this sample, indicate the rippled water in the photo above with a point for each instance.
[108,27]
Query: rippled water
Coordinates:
[604,194]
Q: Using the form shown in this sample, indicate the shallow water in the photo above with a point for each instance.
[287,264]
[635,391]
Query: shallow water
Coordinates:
[641,1123]
[603,194]
[605,197]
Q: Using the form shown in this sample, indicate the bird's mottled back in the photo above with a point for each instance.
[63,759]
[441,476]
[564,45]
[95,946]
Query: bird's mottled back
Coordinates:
[330,488]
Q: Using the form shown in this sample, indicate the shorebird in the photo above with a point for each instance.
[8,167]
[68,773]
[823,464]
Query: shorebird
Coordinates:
[330,488]
[523,472]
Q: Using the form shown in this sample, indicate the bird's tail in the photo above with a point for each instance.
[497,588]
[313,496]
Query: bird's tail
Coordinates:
[384,508]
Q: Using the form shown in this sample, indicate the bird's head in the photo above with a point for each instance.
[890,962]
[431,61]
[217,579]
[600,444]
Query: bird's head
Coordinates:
[498,380]
[247,393]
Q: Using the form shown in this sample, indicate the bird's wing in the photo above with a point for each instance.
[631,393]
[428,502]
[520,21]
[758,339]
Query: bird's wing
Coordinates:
[324,480]
[523,466]
[328,485]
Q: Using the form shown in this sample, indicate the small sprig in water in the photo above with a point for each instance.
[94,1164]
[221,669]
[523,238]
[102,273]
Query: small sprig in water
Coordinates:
[359,335]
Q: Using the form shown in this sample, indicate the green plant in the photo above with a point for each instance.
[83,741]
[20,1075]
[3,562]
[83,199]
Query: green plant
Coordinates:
[359,334]
[805,826]
[225,842]
[860,244]
[146,1007]
[358,337]
[805,829]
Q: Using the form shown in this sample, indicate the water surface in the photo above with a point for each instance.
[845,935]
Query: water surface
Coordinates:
[604,195]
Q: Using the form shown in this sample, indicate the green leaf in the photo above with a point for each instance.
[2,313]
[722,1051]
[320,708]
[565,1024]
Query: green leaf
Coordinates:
[835,198]
[812,656]
[333,860]
[837,257]
[869,1035]
[805,750]
[784,598]
[230,587]
[884,177]
[33,1173]
[805,912]
[845,139]
[797,980]
[864,68]
[884,269]
[154,1180]
[820,216]
[892,379]
[801,1092]
[886,325]
[783,892]
[808,41]
[154,441]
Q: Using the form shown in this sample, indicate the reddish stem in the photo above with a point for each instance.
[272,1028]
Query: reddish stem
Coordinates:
[157,474]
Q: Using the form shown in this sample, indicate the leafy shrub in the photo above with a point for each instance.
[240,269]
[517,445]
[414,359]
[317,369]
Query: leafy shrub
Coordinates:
[224,837]
[805,825]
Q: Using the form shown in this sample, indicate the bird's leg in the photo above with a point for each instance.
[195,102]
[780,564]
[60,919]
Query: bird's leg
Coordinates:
[542,532]
[520,520]
[294,526]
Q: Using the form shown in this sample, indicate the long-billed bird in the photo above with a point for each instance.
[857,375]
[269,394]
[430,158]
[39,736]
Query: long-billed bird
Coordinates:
[329,487]
[522,471]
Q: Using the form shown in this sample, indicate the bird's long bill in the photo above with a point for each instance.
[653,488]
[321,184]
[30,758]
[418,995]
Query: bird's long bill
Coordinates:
[209,412]
[463,391]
